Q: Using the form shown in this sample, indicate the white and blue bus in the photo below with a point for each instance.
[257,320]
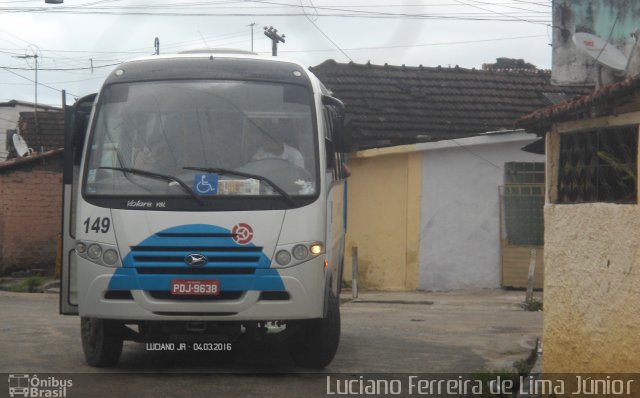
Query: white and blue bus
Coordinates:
[204,199]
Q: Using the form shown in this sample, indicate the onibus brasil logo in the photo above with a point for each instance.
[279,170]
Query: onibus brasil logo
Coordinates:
[32,386]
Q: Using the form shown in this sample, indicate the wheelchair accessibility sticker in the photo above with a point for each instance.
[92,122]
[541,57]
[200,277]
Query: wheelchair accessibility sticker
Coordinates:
[206,184]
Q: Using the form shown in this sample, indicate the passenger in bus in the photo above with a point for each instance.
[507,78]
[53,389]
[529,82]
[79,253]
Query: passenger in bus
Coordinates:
[273,146]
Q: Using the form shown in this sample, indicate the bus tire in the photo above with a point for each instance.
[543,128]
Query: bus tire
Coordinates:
[315,344]
[102,341]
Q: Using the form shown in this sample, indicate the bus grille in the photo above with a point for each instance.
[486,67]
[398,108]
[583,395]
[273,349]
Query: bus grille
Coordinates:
[195,271]
[156,263]
[231,259]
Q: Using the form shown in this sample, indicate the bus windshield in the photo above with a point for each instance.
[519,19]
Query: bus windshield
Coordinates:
[207,138]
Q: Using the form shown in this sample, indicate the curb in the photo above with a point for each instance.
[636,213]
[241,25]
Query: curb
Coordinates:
[536,369]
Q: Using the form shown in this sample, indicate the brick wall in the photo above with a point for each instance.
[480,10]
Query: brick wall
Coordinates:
[30,213]
[46,134]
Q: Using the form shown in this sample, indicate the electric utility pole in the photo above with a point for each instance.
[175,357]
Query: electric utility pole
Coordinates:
[275,39]
[35,105]
[251,25]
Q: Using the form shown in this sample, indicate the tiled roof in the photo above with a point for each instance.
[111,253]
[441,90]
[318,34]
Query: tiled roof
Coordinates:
[47,134]
[30,160]
[393,105]
[14,103]
[596,103]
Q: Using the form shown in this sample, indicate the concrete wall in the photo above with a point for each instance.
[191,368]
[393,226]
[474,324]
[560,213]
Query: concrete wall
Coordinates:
[30,214]
[383,219]
[459,224]
[592,288]
[609,20]
[592,274]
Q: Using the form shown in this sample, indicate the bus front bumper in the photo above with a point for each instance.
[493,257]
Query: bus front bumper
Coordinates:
[300,296]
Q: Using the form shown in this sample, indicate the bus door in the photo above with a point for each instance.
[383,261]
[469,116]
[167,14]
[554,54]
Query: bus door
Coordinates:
[76,122]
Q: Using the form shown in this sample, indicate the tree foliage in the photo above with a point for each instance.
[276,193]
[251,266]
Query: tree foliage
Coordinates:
[509,63]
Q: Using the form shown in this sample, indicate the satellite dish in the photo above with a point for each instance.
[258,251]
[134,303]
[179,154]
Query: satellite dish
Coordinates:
[22,149]
[601,50]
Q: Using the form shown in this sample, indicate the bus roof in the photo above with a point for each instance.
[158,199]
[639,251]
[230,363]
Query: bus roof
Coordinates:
[211,64]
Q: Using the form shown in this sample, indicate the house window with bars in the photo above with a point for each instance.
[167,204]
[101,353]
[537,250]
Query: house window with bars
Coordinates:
[598,166]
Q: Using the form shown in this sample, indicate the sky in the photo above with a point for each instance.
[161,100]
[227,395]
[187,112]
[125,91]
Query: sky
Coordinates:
[78,43]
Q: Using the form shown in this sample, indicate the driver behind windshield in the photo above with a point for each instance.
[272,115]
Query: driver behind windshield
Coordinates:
[153,153]
[273,146]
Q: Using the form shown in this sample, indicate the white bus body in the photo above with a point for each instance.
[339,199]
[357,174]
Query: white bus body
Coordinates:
[175,223]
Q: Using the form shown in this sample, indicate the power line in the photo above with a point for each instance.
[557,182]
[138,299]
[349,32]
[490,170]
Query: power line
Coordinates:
[499,13]
[16,1]
[333,12]
[422,45]
[207,5]
[328,50]
[10,53]
[324,34]
[74,62]
[62,69]
[7,120]
[60,82]
[33,81]
[507,6]
[26,41]
[533,2]
[82,51]
[403,5]
[476,154]
[353,14]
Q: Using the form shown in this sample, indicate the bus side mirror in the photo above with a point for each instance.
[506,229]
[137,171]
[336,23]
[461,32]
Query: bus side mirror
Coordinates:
[340,132]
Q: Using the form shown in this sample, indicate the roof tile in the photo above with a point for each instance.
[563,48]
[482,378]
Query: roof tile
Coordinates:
[399,104]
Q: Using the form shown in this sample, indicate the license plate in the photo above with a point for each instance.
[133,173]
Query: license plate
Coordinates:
[189,287]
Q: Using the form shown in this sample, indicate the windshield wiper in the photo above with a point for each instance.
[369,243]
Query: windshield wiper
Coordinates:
[219,170]
[157,176]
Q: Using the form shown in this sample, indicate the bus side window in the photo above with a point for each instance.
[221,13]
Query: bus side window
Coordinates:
[328,140]
[335,160]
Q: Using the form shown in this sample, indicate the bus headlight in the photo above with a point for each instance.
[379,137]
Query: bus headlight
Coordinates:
[110,257]
[300,252]
[81,247]
[316,248]
[283,257]
[99,253]
[292,254]
[94,251]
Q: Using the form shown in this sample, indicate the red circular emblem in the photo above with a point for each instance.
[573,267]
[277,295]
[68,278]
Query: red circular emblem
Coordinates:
[242,233]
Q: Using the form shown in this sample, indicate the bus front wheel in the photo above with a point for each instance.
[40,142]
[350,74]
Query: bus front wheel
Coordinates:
[315,342]
[102,341]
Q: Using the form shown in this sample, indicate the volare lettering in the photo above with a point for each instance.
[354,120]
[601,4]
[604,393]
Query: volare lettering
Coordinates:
[139,204]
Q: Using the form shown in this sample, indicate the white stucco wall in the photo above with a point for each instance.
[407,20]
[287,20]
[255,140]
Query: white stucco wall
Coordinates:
[8,121]
[460,222]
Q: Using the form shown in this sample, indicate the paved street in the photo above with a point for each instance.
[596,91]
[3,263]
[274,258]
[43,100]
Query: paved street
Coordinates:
[416,332]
